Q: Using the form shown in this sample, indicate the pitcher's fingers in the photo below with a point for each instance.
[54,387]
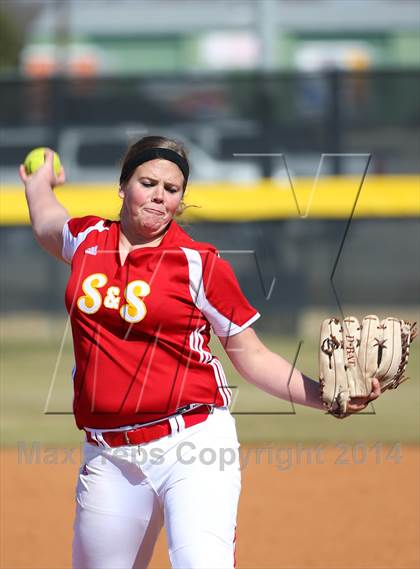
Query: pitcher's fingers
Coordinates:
[22,173]
[49,158]
[376,389]
[61,177]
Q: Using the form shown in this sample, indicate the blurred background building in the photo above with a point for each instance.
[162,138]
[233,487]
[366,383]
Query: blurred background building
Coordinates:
[119,37]
[241,82]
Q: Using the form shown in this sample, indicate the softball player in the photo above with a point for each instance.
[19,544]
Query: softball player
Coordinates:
[161,445]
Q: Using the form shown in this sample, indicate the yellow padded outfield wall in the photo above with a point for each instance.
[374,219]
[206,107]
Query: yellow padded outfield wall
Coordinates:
[330,197]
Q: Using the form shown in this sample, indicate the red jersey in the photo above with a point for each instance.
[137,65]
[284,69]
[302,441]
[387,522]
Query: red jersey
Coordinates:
[141,329]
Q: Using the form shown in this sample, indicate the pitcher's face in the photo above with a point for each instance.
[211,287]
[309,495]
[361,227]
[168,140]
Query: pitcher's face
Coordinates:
[151,196]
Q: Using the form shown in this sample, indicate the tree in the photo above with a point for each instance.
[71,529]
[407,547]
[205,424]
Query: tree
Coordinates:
[11,41]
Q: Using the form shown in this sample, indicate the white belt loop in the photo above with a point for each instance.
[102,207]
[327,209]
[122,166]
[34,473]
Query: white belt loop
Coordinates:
[173,424]
[101,440]
[93,435]
[181,422]
[98,438]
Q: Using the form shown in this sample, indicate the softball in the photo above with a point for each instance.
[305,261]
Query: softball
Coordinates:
[35,159]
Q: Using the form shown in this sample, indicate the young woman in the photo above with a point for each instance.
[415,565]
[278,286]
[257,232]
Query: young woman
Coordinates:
[152,399]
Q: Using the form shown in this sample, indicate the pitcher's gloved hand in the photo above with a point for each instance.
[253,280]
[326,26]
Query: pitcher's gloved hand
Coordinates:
[358,362]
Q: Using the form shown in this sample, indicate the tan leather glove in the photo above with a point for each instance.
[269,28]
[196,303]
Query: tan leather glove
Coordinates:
[351,355]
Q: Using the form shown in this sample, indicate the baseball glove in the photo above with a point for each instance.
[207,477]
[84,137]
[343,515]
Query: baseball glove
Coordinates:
[351,355]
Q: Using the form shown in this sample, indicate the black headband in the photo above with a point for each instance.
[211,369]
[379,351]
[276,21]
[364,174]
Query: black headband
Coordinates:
[153,154]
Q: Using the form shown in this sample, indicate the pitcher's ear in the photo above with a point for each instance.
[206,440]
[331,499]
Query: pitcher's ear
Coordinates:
[181,208]
[121,192]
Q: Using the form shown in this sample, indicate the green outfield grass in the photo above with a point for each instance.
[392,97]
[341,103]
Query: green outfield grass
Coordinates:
[28,370]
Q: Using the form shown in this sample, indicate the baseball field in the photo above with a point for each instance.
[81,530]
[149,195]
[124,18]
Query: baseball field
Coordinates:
[317,492]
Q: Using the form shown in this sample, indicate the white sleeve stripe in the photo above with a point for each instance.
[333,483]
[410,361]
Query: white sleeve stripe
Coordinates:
[223,379]
[236,329]
[192,341]
[221,325]
[71,242]
[221,388]
[200,342]
[196,345]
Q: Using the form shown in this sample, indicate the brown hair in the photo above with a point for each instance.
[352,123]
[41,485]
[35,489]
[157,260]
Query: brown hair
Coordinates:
[148,143]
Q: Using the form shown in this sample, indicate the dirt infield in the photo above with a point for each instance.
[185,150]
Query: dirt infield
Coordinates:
[300,507]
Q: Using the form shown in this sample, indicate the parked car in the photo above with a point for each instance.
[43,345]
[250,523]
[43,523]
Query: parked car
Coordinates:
[94,154]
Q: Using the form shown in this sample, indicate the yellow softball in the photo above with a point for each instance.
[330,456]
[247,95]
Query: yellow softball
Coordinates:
[36,158]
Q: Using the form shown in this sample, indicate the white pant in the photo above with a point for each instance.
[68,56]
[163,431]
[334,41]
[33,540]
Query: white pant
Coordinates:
[190,481]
